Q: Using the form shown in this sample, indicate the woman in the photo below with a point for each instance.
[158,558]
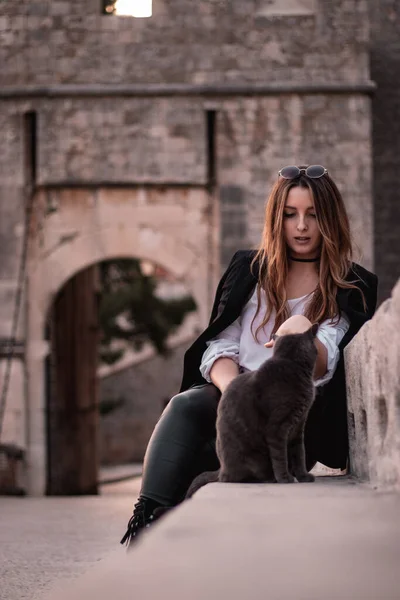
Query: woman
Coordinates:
[302,273]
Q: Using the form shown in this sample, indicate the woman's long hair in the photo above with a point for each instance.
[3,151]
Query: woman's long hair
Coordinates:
[336,251]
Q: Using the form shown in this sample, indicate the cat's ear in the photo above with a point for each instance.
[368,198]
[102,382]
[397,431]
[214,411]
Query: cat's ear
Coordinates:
[314,329]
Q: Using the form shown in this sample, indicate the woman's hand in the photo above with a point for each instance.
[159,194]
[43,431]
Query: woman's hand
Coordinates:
[294,324]
[300,324]
[222,372]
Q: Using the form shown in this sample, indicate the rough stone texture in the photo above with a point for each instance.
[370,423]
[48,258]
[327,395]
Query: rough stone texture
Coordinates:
[122,140]
[143,389]
[373,394]
[15,418]
[385,63]
[12,207]
[72,229]
[203,42]
[45,540]
[259,541]
[233,209]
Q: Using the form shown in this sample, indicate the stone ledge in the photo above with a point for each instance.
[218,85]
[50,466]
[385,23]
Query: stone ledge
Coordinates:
[329,540]
[373,396]
[288,8]
[185,89]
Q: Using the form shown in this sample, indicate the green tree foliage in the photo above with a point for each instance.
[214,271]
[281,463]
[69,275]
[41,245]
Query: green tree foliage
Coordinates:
[130,309]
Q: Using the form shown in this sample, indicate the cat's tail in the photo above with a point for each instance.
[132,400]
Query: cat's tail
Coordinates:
[200,480]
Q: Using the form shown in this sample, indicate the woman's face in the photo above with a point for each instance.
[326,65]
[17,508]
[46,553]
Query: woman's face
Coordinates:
[300,224]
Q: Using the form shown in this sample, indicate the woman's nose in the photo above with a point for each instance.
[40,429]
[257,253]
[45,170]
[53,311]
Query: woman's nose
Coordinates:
[301,225]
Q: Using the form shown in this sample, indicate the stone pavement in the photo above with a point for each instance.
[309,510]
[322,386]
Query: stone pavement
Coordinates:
[117,473]
[330,540]
[43,540]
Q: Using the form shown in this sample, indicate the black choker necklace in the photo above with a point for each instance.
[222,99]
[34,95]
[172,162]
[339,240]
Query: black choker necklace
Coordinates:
[304,259]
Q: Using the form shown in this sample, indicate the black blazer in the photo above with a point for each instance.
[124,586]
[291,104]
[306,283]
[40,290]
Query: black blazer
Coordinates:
[328,418]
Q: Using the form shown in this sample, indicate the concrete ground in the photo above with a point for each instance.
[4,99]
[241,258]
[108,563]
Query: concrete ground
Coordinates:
[44,540]
[323,541]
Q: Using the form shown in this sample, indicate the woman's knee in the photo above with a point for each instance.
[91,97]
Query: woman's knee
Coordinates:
[196,403]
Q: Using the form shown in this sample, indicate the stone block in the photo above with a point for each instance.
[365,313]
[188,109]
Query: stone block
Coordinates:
[373,394]
[330,540]
[14,425]
[5,24]
[60,8]
[11,231]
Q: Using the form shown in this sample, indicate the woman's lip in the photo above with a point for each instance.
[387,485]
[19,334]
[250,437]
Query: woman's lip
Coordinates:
[302,238]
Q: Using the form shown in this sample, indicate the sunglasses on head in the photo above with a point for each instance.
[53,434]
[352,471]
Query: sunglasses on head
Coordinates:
[313,172]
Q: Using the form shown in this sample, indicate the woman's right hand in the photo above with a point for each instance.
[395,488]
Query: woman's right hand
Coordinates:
[223,371]
[294,324]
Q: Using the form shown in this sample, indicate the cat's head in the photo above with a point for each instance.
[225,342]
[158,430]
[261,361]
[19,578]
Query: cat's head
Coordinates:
[297,346]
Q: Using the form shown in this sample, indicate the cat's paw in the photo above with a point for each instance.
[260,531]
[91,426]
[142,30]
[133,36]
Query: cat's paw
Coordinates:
[305,478]
[286,479]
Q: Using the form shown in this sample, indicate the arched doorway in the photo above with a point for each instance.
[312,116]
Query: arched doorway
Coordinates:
[103,313]
[173,227]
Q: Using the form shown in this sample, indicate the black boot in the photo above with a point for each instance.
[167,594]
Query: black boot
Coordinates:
[141,518]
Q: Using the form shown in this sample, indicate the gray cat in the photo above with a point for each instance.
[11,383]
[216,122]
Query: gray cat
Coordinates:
[262,415]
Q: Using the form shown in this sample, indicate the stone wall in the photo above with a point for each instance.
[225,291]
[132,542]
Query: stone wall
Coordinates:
[385,66]
[76,228]
[12,208]
[124,140]
[257,136]
[70,41]
[163,140]
[373,394]
[140,394]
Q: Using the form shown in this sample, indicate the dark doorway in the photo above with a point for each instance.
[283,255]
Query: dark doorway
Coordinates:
[72,396]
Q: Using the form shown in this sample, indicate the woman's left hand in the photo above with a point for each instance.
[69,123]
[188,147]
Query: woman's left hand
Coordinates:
[294,324]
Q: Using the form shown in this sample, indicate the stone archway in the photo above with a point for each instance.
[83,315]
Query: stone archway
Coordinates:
[73,229]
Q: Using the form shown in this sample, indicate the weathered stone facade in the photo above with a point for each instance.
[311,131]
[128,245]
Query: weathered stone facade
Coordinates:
[74,229]
[137,118]
[140,393]
[70,41]
[385,67]
[373,394]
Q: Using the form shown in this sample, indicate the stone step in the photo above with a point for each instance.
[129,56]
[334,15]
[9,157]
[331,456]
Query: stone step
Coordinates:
[333,539]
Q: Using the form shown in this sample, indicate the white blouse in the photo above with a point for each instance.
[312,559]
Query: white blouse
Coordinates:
[237,341]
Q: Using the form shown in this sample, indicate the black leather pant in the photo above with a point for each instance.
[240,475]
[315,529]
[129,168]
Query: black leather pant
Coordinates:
[183,444]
